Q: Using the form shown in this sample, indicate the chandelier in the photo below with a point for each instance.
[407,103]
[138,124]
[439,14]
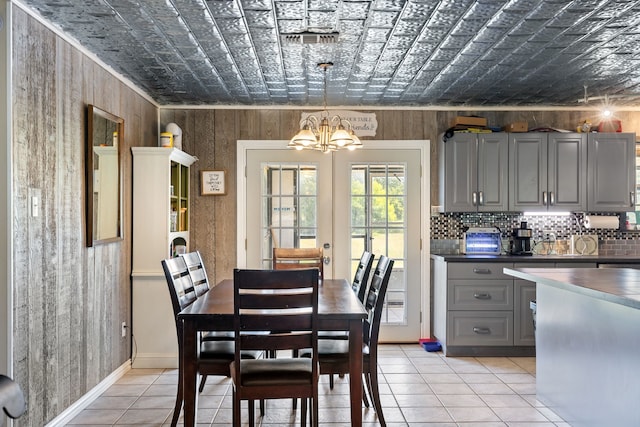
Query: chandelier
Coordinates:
[327,134]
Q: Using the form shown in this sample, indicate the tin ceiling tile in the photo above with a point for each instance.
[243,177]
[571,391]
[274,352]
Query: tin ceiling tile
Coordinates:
[393,52]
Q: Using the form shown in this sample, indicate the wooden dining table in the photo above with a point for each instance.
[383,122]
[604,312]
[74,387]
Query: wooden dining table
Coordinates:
[338,310]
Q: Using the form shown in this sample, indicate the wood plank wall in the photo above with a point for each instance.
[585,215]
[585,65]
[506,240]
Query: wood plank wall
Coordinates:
[211,135]
[69,300]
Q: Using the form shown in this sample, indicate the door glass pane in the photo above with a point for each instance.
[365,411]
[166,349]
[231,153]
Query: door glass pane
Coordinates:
[289,207]
[378,224]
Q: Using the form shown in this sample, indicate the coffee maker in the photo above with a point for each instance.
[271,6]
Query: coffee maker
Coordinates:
[521,240]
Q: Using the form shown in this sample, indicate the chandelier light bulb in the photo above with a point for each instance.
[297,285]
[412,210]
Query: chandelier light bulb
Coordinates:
[328,133]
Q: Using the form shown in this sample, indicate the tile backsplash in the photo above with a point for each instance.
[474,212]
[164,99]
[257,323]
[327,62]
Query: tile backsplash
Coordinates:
[448,228]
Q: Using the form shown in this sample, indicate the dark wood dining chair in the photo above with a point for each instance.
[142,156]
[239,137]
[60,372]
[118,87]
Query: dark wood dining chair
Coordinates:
[333,355]
[201,285]
[214,357]
[298,258]
[361,276]
[359,287]
[284,302]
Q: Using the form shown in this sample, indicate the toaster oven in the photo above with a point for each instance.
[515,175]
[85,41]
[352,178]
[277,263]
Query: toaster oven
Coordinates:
[482,241]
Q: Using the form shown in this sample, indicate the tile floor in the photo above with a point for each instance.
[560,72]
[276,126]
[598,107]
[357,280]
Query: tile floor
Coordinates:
[419,389]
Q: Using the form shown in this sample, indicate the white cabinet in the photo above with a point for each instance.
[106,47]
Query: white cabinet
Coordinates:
[473,173]
[160,225]
[612,178]
[547,172]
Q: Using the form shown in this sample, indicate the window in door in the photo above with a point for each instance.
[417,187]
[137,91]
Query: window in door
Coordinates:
[378,224]
[289,207]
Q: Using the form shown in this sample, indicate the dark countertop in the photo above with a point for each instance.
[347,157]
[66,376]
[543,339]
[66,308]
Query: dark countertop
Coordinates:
[598,259]
[620,286]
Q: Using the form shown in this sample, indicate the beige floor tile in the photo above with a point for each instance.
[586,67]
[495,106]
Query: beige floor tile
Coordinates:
[417,389]
[98,416]
[461,400]
[474,414]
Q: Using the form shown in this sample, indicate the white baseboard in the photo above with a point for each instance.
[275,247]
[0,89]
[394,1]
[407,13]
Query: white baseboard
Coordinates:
[155,361]
[80,404]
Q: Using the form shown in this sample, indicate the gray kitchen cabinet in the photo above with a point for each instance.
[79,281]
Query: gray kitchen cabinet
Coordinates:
[547,172]
[480,311]
[611,177]
[474,172]
[473,307]
[523,331]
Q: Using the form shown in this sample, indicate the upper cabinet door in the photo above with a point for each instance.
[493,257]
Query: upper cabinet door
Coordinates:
[611,159]
[493,175]
[567,172]
[458,173]
[528,172]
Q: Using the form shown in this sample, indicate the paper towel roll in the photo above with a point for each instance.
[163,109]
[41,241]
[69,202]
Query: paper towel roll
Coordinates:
[606,222]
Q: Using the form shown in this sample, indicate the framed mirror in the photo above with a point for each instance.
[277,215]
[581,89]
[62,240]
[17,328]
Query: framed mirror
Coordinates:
[105,134]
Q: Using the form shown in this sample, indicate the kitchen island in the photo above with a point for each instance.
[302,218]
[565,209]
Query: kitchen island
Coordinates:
[587,343]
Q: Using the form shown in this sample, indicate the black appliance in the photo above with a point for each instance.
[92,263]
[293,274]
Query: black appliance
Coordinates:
[521,240]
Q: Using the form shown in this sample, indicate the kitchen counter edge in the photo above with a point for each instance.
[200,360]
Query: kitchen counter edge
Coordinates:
[598,259]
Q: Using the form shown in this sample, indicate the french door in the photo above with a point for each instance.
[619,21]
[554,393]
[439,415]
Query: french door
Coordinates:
[345,202]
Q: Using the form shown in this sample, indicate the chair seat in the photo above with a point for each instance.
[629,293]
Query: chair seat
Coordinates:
[271,372]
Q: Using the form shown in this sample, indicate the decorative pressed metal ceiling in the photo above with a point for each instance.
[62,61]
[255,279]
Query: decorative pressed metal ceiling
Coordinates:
[387,52]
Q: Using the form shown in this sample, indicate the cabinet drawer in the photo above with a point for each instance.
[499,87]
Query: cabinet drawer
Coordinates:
[480,328]
[480,294]
[480,270]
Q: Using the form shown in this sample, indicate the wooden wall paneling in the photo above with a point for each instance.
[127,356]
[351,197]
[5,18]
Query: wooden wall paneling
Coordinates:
[389,124]
[289,123]
[249,128]
[226,130]
[203,208]
[270,127]
[43,231]
[70,226]
[22,134]
[412,125]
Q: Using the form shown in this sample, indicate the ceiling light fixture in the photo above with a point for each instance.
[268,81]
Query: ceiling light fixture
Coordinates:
[325,134]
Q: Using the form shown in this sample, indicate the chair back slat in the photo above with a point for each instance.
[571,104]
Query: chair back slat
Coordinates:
[298,258]
[197,272]
[180,286]
[275,301]
[361,277]
[375,300]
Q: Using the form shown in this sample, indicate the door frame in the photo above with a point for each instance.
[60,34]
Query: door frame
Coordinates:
[425,173]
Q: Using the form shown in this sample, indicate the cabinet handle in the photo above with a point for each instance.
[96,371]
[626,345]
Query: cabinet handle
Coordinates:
[482,271]
[552,198]
[481,330]
[474,198]
[633,198]
[544,198]
[481,201]
[482,296]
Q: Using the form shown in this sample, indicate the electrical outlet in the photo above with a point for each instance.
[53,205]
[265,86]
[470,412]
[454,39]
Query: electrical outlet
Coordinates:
[124,329]
[549,235]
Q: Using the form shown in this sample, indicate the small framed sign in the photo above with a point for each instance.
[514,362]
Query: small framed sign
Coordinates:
[212,183]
